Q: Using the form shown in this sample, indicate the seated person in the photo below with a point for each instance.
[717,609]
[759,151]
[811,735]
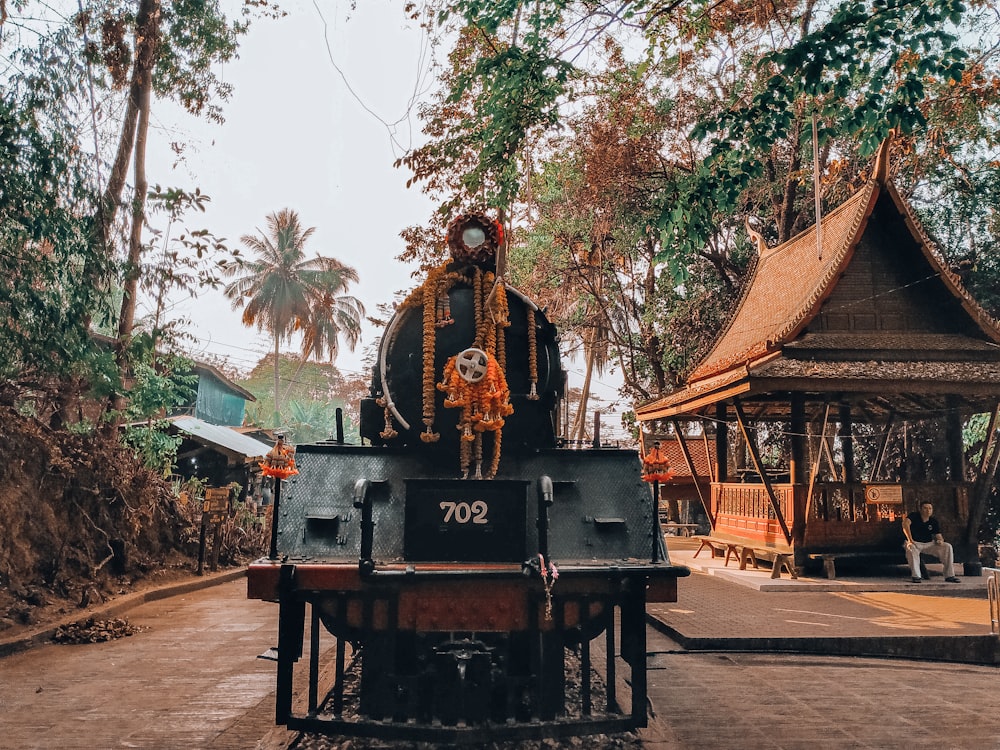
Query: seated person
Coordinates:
[923,534]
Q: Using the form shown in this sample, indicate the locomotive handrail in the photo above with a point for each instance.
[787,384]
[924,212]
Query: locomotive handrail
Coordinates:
[383,351]
[363,501]
[542,524]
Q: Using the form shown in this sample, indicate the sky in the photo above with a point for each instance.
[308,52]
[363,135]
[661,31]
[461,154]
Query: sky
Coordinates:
[306,129]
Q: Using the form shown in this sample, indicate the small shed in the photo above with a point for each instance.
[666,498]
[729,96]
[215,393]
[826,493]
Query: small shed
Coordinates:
[216,453]
[844,337]
[219,400]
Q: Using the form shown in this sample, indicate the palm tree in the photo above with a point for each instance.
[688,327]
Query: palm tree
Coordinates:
[277,289]
[332,314]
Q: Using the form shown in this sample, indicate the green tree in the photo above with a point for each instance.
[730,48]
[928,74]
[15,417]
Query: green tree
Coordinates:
[730,95]
[282,291]
[92,80]
[46,189]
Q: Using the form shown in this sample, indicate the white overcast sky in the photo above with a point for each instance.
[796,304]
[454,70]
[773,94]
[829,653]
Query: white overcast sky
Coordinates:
[296,137]
[306,129]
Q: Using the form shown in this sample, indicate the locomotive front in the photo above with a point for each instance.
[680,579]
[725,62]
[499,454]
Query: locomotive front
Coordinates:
[459,552]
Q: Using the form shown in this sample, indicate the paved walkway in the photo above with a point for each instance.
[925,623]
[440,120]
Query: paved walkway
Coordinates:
[739,693]
[760,701]
[724,608]
[191,680]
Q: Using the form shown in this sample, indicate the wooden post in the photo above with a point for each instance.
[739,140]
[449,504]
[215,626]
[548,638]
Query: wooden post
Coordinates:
[953,430]
[273,554]
[797,472]
[721,443]
[759,466]
[847,444]
[797,463]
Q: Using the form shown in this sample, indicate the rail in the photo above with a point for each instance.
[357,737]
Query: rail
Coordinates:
[993,594]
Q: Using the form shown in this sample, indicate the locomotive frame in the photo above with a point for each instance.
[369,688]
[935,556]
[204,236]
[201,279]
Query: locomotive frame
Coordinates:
[387,605]
[463,584]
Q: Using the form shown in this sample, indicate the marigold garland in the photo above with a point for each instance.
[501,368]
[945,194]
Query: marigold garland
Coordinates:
[430,321]
[389,432]
[279,461]
[532,356]
[477,304]
[495,461]
[484,405]
[477,451]
[655,466]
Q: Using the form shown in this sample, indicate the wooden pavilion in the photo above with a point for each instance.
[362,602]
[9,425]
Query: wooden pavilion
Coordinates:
[844,338]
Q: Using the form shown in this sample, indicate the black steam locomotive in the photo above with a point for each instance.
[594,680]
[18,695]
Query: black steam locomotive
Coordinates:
[461,553]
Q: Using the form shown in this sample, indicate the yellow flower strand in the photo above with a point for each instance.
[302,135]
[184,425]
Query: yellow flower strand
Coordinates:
[495,462]
[389,432]
[532,355]
[477,298]
[430,296]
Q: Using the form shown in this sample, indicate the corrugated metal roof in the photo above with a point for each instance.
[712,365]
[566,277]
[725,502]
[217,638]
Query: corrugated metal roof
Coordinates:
[224,437]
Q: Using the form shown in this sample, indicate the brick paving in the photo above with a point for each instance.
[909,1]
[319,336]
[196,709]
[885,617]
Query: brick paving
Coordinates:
[762,701]
[191,678]
[739,693]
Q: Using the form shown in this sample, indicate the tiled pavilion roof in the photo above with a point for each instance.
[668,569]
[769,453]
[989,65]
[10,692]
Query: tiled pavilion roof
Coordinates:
[766,336]
[701,450]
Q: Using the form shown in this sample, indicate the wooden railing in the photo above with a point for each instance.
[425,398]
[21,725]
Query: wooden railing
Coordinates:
[836,514]
[746,509]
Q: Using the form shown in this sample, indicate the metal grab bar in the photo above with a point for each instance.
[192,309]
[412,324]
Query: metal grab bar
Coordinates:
[993,594]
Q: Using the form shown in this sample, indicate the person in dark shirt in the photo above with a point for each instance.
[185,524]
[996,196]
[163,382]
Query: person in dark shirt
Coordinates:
[923,534]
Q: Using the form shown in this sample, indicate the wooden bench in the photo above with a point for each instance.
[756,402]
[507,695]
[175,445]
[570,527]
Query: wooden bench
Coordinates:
[883,556]
[682,529]
[717,547]
[779,558]
[747,553]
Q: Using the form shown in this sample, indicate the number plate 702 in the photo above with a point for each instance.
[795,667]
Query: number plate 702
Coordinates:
[474,512]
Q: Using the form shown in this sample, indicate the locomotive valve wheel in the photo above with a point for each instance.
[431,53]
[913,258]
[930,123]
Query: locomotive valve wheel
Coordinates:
[471,365]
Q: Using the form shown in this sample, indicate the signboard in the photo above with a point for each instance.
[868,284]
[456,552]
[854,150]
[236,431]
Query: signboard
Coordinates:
[214,510]
[216,504]
[884,494]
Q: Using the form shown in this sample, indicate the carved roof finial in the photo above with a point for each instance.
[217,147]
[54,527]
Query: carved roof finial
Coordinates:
[755,237]
[881,171]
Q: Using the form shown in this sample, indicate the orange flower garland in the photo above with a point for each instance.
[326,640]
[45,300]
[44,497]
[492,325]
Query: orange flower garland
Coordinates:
[430,324]
[655,466]
[279,461]
[477,305]
[389,432]
[484,405]
[486,402]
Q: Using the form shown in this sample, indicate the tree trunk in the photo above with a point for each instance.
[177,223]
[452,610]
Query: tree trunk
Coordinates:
[130,285]
[580,421]
[277,408]
[132,145]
